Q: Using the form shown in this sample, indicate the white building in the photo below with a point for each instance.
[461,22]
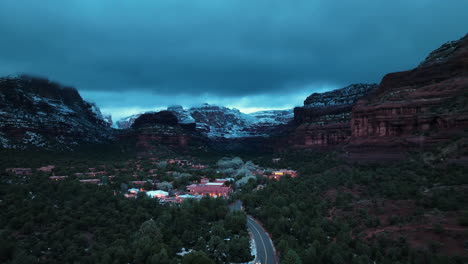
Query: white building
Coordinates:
[157,194]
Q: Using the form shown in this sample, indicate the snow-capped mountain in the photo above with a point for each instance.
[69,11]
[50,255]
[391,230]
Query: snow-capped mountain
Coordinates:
[219,121]
[273,117]
[127,122]
[37,112]
[344,96]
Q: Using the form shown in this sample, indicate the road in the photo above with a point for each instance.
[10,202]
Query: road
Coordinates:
[265,248]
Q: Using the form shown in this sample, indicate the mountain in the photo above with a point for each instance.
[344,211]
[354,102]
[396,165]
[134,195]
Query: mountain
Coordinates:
[127,122]
[37,112]
[419,108]
[411,110]
[223,122]
[159,118]
[157,130]
[325,118]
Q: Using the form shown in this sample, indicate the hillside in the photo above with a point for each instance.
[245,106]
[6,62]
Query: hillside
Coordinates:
[40,113]
[223,122]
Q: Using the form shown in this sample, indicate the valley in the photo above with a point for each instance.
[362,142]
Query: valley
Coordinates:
[368,173]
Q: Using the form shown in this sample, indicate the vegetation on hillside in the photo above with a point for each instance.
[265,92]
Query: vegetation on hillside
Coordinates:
[339,213]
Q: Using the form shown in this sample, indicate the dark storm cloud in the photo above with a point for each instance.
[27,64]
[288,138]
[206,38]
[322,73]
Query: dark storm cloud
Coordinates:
[223,48]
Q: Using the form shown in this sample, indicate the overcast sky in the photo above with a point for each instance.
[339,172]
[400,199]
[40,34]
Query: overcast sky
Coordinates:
[135,55]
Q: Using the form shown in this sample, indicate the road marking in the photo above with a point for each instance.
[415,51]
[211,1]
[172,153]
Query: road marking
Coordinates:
[261,238]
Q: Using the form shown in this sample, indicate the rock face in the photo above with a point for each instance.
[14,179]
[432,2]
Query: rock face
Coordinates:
[37,112]
[126,122]
[222,122]
[152,130]
[148,138]
[219,121]
[325,118]
[150,119]
[417,108]
[408,111]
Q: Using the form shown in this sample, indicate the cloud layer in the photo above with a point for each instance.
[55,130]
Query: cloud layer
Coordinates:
[223,50]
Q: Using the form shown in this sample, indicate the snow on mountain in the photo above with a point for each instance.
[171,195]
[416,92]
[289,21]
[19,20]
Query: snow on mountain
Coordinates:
[344,96]
[37,112]
[273,117]
[184,116]
[219,121]
[127,122]
[106,118]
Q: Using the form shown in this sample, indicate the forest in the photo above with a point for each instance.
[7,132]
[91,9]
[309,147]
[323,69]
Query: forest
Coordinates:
[333,212]
[69,222]
[336,212]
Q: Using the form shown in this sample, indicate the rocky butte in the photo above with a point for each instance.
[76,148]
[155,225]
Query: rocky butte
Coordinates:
[218,122]
[413,110]
[152,129]
[418,108]
[325,118]
[409,111]
[40,113]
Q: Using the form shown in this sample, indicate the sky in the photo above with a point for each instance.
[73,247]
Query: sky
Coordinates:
[130,56]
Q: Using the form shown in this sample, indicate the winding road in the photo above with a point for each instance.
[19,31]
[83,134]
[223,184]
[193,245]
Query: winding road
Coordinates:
[265,248]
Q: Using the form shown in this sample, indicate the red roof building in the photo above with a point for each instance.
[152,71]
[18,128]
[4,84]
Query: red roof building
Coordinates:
[93,181]
[212,189]
[48,168]
[19,171]
[138,182]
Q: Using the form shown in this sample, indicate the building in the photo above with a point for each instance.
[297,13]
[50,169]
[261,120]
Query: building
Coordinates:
[58,178]
[48,168]
[19,171]
[138,183]
[133,191]
[170,200]
[199,166]
[212,189]
[130,195]
[276,175]
[93,181]
[188,196]
[157,194]
[95,173]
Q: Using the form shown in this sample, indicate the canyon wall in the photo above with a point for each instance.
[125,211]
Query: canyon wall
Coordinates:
[416,108]
[408,111]
[325,118]
[40,113]
[154,130]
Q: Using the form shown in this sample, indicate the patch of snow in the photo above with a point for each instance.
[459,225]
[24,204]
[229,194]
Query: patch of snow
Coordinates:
[253,249]
[4,142]
[34,139]
[184,252]
[223,122]
[95,109]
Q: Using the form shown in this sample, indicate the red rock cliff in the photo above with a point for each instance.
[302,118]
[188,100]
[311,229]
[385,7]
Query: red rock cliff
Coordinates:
[325,118]
[417,108]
